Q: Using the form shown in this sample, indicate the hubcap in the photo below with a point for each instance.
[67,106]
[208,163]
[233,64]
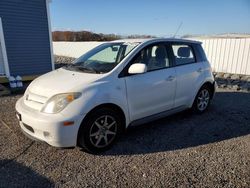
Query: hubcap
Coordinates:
[203,99]
[103,131]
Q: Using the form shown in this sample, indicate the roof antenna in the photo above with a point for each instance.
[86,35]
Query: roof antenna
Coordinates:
[177,29]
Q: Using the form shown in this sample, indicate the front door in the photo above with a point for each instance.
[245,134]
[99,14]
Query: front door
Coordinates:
[151,92]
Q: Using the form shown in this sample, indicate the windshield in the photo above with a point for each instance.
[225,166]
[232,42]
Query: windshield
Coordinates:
[103,58]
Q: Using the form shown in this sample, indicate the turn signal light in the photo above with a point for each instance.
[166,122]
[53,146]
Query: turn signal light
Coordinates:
[68,123]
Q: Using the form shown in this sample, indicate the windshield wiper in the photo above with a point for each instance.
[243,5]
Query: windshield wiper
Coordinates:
[69,66]
[81,68]
[89,69]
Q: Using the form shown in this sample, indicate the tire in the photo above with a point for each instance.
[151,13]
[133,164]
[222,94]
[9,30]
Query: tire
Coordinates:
[99,130]
[202,100]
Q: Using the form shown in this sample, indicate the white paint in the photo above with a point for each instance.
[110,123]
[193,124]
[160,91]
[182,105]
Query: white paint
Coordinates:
[3,53]
[137,68]
[138,95]
[50,34]
[150,93]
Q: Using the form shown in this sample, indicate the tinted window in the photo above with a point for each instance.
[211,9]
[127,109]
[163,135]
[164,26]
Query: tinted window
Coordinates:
[200,52]
[155,57]
[183,54]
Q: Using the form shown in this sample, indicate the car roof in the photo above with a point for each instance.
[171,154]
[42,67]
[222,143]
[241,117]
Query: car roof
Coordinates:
[157,40]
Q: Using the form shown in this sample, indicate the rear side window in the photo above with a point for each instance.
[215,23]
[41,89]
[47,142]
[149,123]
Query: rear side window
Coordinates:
[183,54]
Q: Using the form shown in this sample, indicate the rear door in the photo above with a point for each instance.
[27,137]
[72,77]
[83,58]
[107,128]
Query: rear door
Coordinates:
[189,73]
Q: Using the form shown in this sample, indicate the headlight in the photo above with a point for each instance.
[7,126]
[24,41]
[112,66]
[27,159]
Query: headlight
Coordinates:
[58,102]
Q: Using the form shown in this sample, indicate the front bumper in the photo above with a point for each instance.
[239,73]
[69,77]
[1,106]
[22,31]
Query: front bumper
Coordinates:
[48,127]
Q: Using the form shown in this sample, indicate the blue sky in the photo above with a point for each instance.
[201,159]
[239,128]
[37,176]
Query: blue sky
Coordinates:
[154,17]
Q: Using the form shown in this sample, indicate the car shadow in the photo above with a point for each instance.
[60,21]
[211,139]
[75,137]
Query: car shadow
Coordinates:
[227,117]
[14,174]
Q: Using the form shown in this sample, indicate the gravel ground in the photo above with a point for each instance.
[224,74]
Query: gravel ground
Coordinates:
[184,150]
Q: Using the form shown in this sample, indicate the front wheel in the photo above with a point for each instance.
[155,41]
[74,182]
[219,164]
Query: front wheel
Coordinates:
[99,130]
[202,100]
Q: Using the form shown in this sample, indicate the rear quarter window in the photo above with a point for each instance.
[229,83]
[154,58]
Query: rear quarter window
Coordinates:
[201,56]
[183,54]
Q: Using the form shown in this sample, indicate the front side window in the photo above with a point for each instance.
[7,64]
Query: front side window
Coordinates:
[183,54]
[155,57]
[103,58]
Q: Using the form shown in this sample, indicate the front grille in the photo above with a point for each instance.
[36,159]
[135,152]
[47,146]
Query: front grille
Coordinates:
[28,128]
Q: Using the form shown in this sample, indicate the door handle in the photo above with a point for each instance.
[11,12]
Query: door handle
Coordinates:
[170,78]
[199,70]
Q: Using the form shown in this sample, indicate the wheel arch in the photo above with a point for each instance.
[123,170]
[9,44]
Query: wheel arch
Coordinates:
[211,86]
[110,106]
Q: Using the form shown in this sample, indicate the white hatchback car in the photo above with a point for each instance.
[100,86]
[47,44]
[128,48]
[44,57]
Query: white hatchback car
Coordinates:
[115,85]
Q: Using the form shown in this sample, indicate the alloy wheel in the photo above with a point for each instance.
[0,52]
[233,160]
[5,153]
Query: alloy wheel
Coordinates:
[203,99]
[103,131]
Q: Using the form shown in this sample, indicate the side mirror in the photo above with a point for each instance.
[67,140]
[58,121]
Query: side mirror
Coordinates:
[137,68]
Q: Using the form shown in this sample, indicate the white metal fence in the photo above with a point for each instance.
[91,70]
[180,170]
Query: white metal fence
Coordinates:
[225,55]
[228,55]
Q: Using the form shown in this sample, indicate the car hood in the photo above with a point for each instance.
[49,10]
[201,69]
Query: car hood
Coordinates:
[61,81]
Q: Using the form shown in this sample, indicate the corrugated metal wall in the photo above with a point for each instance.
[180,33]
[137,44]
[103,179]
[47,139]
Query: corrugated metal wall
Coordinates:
[225,55]
[26,33]
[228,55]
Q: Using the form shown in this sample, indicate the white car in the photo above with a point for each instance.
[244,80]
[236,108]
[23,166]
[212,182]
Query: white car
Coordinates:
[117,84]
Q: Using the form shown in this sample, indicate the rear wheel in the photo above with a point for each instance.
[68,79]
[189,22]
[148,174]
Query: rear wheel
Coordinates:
[99,130]
[202,100]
